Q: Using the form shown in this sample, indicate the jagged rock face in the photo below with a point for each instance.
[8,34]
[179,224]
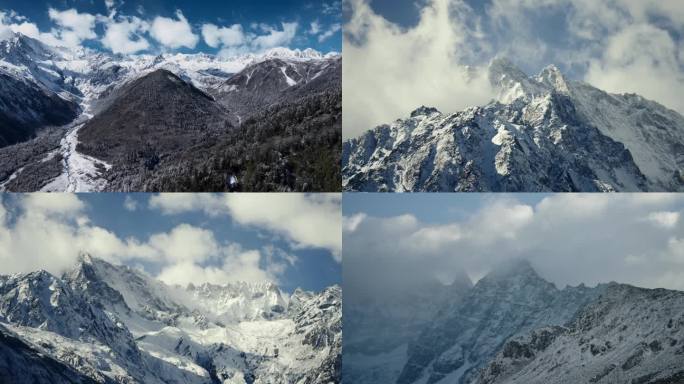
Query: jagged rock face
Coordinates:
[21,363]
[468,333]
[40,300]
[541,134]
[628,334]
[115,324]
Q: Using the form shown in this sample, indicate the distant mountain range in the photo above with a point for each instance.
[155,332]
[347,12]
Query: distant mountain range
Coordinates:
[91,121]
[102,323]
[512,326]
[542,133]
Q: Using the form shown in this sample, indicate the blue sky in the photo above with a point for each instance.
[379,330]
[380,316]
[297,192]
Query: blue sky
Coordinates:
[570,239]
[183,238]
[312,24]
[400,54]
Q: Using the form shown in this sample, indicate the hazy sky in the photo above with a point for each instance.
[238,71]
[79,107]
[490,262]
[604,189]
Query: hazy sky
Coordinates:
[569,238]
[406,53]
[291,239]
[154,26]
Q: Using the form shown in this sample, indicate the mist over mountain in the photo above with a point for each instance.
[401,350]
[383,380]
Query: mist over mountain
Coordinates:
[542,133]
[513,326]
[181,122]
[111,324]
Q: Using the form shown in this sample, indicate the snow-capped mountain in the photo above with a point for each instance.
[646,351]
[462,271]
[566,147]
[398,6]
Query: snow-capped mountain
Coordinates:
[47,89]
[513,326]
[114,324]
[542,133]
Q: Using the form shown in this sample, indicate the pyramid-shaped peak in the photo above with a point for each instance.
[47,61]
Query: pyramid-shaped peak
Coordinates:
[553,77]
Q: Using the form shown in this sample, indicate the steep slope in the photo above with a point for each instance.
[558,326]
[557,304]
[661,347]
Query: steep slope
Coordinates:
[25,107]
[147,123]
[543,133]
[264,83]
[628,334]
[22,363]
[510,300]
[290,145]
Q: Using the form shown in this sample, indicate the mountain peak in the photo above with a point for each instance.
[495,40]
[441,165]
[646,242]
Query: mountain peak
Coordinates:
[513,269]
[553,77]
[424,111]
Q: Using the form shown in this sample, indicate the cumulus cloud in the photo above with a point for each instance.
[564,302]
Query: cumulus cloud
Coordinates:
[74,27]
[125,35]
[216,36]
[130,204]
[174,33]
[395,69]
[632,239]
[308,221]
[49,231]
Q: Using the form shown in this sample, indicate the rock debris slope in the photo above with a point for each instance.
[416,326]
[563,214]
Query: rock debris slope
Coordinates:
[111,324]
[542,133]
[80,120]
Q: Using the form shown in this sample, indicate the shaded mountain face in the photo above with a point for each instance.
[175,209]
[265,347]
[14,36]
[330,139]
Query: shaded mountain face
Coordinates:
[113,324]
[290,145]
[264,83]
[543,133]
[150,118]
[470,330]
[380,323]
[25,108]
[21,363]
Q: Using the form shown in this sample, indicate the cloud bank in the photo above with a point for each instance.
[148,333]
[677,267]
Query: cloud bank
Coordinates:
[570,239]
[49,231]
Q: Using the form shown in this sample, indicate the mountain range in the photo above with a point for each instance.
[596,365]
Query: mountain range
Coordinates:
[103,323]
[513,326]
[81,120]
[540,133]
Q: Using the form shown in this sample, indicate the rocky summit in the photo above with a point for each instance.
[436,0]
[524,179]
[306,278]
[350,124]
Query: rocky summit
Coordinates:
[541,133]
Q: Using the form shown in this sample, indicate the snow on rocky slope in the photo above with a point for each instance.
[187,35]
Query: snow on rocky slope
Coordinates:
[115,324]
[512,326]
[542,133]
[628,335]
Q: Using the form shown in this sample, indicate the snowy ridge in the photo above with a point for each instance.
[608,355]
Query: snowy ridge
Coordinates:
[542,133]
[150,332]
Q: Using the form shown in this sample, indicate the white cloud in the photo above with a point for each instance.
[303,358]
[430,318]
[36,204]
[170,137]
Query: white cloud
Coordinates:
[315,27]
[216,36]
[396,70]
[74,27]
[569,238]
[125,35]
[334,28]
[666,220]
[174,33]
[130,204]
[51,230]
[308,221]
[276,37]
